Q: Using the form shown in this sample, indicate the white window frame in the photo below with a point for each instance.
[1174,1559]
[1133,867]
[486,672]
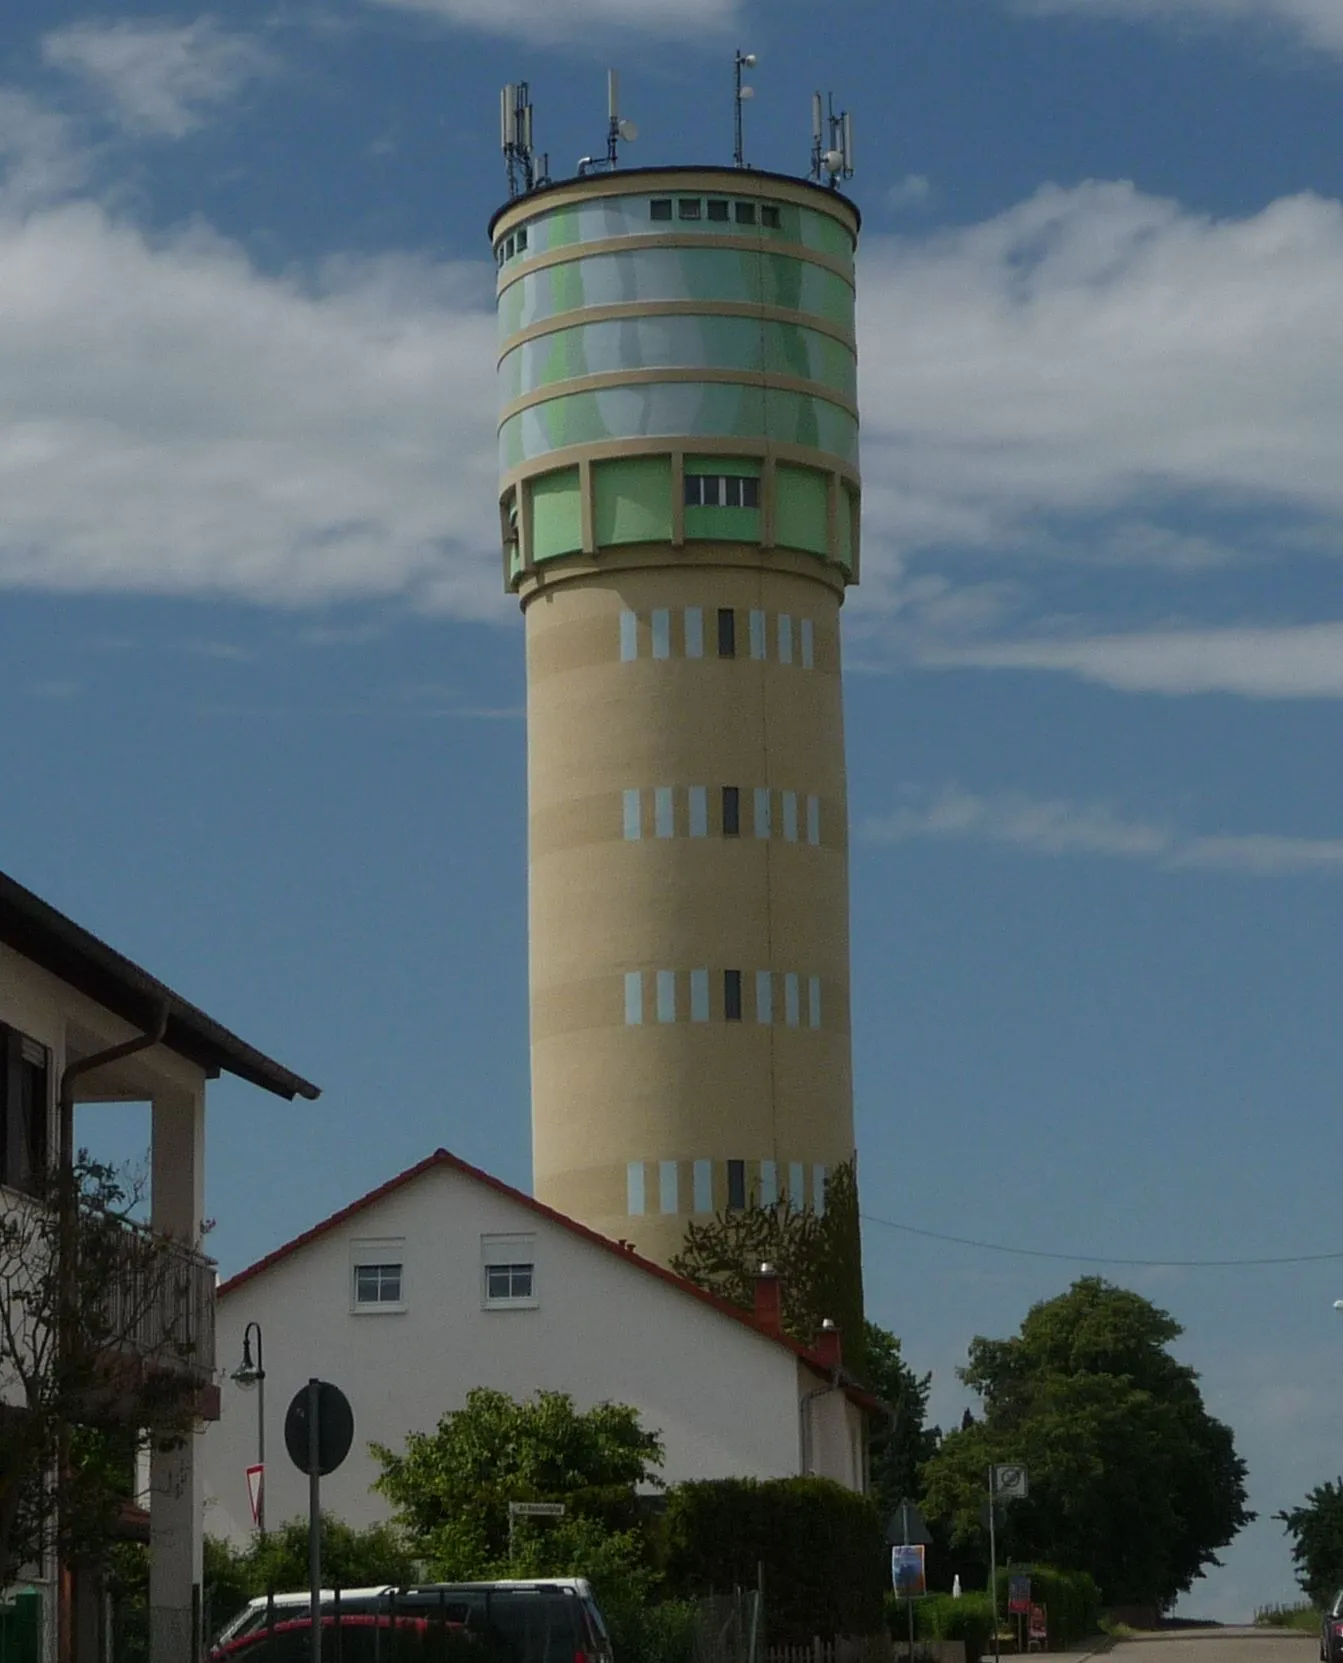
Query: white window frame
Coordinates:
[365,1252]
[498,1250]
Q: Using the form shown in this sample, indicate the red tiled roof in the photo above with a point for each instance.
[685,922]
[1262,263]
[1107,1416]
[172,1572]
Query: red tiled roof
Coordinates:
[442,1158]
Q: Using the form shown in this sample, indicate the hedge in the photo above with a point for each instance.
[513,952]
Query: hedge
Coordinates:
[1071,1598]
[821,1548]
[940,1617]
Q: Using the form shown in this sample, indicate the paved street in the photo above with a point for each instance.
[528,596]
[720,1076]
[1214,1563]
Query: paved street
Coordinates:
[1219,1645]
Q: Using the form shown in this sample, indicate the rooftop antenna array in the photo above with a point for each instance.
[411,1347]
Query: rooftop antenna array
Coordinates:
[525,170]
[618,129]
[833,163]
[744,61]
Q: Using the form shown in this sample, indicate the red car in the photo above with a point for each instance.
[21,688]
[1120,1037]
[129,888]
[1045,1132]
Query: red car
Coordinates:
[356,1637]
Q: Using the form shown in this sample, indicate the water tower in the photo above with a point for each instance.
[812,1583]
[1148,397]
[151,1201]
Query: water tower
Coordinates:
[679,496]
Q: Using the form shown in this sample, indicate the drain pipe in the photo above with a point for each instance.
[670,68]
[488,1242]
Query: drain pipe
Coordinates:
[67,1201]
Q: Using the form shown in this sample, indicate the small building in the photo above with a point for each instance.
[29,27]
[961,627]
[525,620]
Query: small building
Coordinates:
[446,1279]
[80,1024]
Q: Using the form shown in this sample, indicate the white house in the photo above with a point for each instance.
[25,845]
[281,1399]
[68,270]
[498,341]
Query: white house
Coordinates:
[445,1279]
[80,1024]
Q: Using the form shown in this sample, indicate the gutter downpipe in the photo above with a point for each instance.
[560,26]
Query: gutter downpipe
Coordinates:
[67,1202]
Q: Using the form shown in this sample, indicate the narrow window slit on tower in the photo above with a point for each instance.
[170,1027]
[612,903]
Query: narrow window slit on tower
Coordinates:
[731,811]
[633,817]
[703,1182]
[662,633]
[764,997]
[814,821]
[785,639]
[736,1186]
[699,995]
[694,632]
[668,1187]
[699,811]
[745,213]
[634,997]
[757,634]
[629,636]
[769,1183]
[791,1002]
[664,811]
[666,986]
[635,1197]
[727,632]
[732,995]
[769,216]
[790,816]
[688,207]
[762,811]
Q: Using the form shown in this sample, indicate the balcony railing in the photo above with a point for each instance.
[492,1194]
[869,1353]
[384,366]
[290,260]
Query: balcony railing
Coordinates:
[162,1304]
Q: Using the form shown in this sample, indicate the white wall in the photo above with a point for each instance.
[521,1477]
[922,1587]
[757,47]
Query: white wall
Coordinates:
[724,1398]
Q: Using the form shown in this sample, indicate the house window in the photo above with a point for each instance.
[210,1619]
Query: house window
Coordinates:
[505,1284]
[25,1075]
[377,1284]
[736,1186]
[731,811]
[727,632]
[732,995]
[660,208]
[508,1272]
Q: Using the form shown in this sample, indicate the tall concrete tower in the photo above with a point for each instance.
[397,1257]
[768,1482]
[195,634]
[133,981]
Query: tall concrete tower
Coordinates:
[678,445]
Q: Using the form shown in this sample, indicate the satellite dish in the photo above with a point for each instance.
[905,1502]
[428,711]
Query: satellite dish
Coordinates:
[629,131]
[834,160]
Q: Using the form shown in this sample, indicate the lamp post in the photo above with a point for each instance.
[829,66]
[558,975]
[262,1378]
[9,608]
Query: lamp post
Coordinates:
[249,1374]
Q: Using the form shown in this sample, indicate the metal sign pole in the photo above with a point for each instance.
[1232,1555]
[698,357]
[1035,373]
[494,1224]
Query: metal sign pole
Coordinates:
[315,1515]
[993,1559]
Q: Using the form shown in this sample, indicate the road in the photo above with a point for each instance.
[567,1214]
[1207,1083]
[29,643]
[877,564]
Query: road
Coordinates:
[1219,1645]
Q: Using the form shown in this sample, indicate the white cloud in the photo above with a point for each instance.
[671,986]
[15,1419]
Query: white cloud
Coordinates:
[171,420]
[553,20]
[1059,826]
[1291,662]
[1097,353]
[159,79]
[1319,23]
[913,191]
[40,159]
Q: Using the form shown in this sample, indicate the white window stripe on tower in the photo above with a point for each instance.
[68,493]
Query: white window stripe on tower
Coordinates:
[699,811]
[785,639]
[694,632]
[791,1003]
[818,1190]
[635,1198]
[629,636]
[757,634]
[666,996]
[762,817]
[797,1185]
[664,811]
[769,1183]
[668,1186]
[703,1186]
[699,995]
[634,997]
[790,816]
[764,996]
[814,821]
[814,1001]
[808,644]
[662,633]
[633,817]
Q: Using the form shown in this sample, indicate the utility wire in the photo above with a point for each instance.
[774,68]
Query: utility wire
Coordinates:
[1103,1259]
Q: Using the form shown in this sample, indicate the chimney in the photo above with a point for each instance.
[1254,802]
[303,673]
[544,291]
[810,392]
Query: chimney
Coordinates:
[768,1302]
[828,1348]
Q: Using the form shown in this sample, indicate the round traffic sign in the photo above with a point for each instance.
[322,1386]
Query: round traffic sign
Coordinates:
[335,1427]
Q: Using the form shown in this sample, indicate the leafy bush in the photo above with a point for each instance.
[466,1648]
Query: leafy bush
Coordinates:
[662,1633]
[1070,1597]
[940,1617]
[820,1546]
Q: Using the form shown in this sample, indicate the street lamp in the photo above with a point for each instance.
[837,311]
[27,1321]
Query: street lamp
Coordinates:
[249,1374]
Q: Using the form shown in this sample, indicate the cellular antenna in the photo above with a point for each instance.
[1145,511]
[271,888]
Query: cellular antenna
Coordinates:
[744,61]
[831,163]
[617,129]
[525,170]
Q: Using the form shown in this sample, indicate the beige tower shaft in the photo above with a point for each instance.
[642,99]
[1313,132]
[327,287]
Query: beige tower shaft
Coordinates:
[686,787]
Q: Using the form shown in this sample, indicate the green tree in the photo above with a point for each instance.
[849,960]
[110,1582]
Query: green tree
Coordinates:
[1131,1478]
[818,1256]
[82,1285]
[451,1487]
[1316,1529]
[902,1443]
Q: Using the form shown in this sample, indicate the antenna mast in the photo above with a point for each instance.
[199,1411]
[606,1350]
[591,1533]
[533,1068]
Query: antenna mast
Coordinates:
[515,140]
[830,165]
[617,129]
[744,61]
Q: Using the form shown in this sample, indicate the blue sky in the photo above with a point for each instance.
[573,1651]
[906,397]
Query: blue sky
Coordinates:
[264,696]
